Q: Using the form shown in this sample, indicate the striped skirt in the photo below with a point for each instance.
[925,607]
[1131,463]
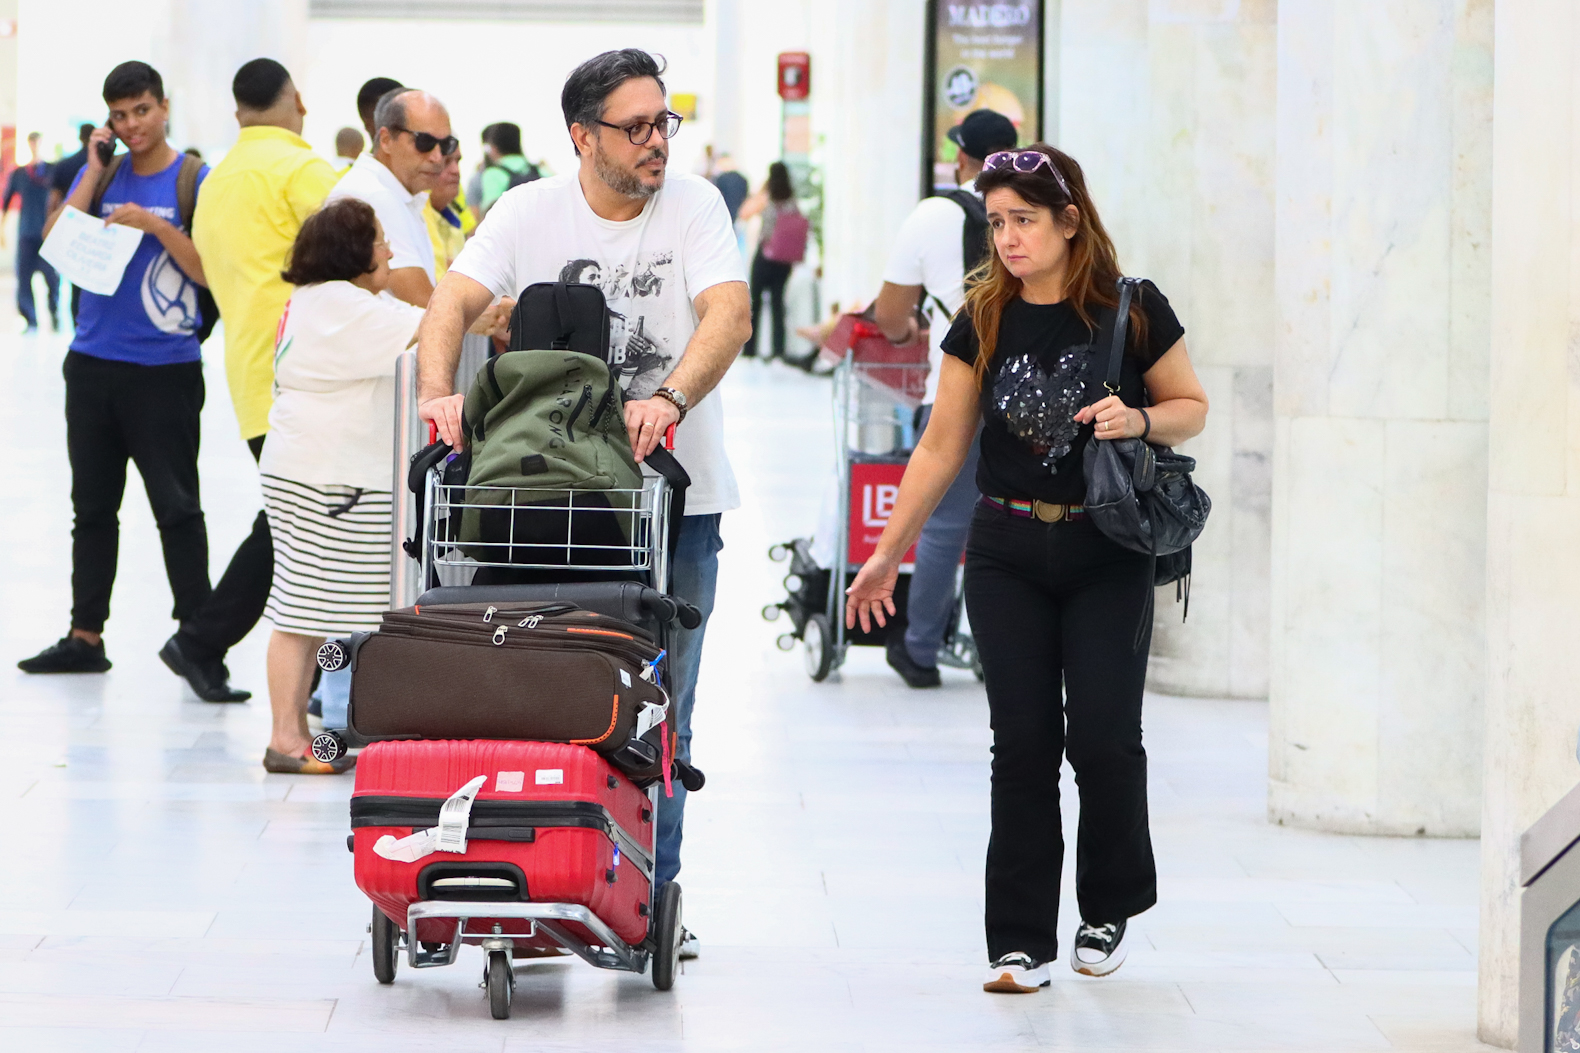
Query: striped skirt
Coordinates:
[331,557]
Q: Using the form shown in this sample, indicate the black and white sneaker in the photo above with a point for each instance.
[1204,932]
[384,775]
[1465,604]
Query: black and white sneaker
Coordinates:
[1016,973]
[1099,949]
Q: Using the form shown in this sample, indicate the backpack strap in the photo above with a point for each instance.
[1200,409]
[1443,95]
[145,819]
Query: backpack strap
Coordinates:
[187,190]
[106,176]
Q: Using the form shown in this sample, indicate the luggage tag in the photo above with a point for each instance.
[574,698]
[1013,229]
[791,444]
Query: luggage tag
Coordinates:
[650,670]
[449,836]
[651,714]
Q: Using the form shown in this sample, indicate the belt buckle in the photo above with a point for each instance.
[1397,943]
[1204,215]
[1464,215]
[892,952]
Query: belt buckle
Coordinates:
[1048,513]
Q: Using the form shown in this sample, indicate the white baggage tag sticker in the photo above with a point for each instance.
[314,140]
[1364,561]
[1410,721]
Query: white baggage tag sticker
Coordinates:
[625,678]
[455,815]
[509,781]
[650,716]
[550,777]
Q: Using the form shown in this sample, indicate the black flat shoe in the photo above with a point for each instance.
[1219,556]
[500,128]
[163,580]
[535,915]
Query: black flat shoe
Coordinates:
[208,682]
[901,662]
[69,654]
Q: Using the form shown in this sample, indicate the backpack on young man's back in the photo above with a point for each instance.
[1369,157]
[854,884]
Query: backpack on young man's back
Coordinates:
[186,205]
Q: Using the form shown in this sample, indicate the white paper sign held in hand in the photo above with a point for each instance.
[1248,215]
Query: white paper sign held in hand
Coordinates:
[88,253]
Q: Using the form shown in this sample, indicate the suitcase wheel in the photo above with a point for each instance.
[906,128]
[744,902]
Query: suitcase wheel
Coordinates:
[328,747]
[772,611]
[500,980]
[779,553]
[332,656]
[785,642]
[386,946]
[666,945]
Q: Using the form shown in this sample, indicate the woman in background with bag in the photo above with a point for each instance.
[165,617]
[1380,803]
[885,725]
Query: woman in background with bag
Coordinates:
[325,466]
[781,244]
[1053,602]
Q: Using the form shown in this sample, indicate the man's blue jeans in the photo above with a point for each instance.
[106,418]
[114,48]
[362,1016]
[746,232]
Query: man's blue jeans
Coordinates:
[938,550]
[694,575]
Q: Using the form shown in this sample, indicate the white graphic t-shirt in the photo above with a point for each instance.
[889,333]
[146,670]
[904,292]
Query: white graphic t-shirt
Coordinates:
[650,269]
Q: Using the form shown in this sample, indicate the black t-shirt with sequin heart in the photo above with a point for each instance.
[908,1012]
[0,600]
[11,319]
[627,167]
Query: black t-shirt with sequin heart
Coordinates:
[1044,370]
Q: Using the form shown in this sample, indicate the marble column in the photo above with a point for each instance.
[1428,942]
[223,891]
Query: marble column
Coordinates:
[1179,157]
[1380,407]
[1533,514]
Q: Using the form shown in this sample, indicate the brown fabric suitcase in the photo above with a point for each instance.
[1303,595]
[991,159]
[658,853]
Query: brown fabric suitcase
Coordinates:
[549,672]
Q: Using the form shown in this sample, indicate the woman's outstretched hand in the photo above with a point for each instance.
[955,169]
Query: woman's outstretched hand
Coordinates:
[872,594]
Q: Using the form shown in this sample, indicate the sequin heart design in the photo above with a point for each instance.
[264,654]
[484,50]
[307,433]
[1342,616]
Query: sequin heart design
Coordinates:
[1039,406]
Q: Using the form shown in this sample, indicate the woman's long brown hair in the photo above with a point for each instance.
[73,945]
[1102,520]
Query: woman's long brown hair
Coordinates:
[1090,275]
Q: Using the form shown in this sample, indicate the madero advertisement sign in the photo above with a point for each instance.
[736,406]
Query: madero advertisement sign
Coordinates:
[980,56]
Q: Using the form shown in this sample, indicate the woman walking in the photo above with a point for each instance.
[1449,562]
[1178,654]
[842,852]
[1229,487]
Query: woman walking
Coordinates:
[1053,602]
[775,257]
[326,462]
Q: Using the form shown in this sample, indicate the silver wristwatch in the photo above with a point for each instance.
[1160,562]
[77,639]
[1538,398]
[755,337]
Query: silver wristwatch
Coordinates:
[677,397]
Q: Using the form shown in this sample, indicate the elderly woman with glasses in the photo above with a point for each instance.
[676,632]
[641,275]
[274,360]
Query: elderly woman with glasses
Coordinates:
[1054,603]
[326,463]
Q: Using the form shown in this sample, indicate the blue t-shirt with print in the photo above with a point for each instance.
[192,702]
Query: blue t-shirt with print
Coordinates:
[152,318]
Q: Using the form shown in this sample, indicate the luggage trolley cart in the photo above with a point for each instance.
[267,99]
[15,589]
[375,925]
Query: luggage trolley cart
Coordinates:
[877,389]
[616,535]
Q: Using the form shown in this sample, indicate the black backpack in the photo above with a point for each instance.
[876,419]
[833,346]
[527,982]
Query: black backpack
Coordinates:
[973,235]
[186,202]
[523,177]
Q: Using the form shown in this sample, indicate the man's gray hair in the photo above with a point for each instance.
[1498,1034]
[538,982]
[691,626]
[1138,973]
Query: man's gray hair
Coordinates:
[590,84]
[390,110]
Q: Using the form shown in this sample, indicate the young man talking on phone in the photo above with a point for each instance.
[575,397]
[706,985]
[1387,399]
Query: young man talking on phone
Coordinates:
[134,374]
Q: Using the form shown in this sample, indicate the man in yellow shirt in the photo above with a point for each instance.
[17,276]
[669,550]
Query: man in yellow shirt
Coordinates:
[450,222]
[248,213]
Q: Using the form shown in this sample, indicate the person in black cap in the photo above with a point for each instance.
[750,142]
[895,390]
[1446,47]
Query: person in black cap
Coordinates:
[942,240]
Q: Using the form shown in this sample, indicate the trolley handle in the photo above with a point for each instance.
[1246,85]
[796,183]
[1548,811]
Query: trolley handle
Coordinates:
[669,435]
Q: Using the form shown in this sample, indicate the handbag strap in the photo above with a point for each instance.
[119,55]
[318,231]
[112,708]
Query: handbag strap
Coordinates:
[1116,351]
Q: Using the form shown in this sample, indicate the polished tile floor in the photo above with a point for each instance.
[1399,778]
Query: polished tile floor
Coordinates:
[161,892]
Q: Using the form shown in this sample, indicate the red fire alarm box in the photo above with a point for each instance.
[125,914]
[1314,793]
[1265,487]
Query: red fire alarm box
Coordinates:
[795,75]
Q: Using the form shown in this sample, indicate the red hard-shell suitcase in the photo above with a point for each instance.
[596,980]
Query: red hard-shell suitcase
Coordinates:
[554,823]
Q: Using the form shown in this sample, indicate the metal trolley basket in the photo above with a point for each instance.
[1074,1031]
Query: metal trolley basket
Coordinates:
[878,387]
[619,535]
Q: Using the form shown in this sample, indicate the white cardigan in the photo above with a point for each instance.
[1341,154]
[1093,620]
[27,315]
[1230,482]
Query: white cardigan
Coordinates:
[333,420]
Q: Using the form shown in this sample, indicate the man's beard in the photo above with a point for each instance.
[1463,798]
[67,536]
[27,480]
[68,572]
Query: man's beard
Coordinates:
[624,181]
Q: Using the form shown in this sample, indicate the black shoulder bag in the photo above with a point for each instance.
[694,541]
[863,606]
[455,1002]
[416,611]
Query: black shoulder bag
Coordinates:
[1141,495]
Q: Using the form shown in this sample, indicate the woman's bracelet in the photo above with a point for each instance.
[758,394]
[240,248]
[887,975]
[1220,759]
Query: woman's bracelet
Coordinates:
[1148,421]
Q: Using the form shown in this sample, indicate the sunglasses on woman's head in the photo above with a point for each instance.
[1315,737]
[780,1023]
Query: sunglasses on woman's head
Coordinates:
[1025,162]
[425,142]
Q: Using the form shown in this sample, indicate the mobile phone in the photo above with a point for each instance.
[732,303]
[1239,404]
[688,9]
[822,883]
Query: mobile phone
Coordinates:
[106,149]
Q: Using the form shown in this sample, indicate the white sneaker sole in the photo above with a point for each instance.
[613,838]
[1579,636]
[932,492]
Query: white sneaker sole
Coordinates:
[1102,968]
[1006,983]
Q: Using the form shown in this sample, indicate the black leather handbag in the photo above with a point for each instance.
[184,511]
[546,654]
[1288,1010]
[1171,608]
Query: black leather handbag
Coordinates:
[1141,495]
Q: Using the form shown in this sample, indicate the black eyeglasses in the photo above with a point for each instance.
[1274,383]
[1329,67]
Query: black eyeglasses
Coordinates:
[425,142]
[639,132]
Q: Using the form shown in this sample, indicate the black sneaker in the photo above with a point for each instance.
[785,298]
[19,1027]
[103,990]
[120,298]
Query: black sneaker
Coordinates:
[209,680]
[1016,973]
[901,662]
[1099,949]
[69,654]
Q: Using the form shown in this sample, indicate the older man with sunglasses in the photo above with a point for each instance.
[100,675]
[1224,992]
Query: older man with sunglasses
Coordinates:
[411,142]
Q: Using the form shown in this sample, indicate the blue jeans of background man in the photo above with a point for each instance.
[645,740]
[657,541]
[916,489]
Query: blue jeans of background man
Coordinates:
[938,550]
[694,575]
[27,261]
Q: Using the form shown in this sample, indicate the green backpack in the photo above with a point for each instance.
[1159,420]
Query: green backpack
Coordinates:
[546,422]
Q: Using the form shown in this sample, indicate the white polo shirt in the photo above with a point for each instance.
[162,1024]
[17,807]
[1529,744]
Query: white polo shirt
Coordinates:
[399,210]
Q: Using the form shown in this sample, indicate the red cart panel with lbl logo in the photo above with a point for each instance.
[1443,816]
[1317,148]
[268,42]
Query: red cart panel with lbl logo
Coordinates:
[874,488]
